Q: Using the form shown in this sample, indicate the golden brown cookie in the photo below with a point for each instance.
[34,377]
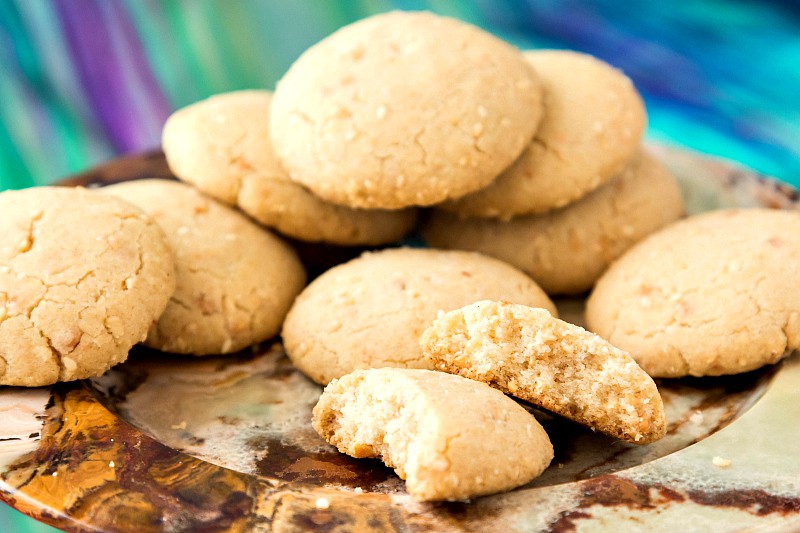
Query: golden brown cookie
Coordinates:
[82,277]
[450,438]
[567,250]
[404,109]
[527,353]
[717,293]
[235,280]
[221,145]
[370,312]
[591,128]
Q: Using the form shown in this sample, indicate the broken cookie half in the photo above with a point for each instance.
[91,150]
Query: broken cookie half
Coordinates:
[450,438]
[525,352]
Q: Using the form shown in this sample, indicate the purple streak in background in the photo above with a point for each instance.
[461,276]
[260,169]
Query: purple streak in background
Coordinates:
[86,27]
[157,103]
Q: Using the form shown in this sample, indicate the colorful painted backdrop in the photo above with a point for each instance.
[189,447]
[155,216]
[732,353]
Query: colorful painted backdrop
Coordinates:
[84,80]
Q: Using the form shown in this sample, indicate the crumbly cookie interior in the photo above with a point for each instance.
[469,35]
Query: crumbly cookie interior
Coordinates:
[559,366]
[361,424]
[450,438]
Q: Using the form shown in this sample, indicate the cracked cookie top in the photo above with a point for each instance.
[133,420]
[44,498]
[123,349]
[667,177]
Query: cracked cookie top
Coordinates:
[404,109]
[591,127]
[717,293]
[82,278]
[370,312]
[221,145]
[235,280]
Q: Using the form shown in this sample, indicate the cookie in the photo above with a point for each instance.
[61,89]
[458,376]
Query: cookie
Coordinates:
[82,277]
[404,109]
[567,250]
[221,145]
[370,312]
[450,438]
[591,128]
[717,293]
[235,280]
[527,353]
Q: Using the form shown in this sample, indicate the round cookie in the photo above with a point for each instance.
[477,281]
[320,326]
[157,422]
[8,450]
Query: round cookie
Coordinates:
[370,312]
[221,145]
[591,128]
[565,251]
[235,280]
[404,109]
[717,293]
[82,277]
[449,437]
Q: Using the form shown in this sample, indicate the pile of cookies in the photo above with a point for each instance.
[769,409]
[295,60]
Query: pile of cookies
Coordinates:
[85,275]
[531,180]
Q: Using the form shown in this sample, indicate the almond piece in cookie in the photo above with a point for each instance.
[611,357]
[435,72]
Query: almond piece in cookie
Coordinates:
[561,367]
[450,438]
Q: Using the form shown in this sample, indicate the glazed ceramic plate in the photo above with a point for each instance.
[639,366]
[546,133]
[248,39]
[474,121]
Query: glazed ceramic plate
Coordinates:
[165,443]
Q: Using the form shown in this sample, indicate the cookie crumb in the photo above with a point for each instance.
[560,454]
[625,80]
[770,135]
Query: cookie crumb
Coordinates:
[322,503]
[227,345]
[182,425]
[721,462]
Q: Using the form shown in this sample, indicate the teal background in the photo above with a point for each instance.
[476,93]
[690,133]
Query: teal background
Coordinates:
[12,521]
[85,80]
